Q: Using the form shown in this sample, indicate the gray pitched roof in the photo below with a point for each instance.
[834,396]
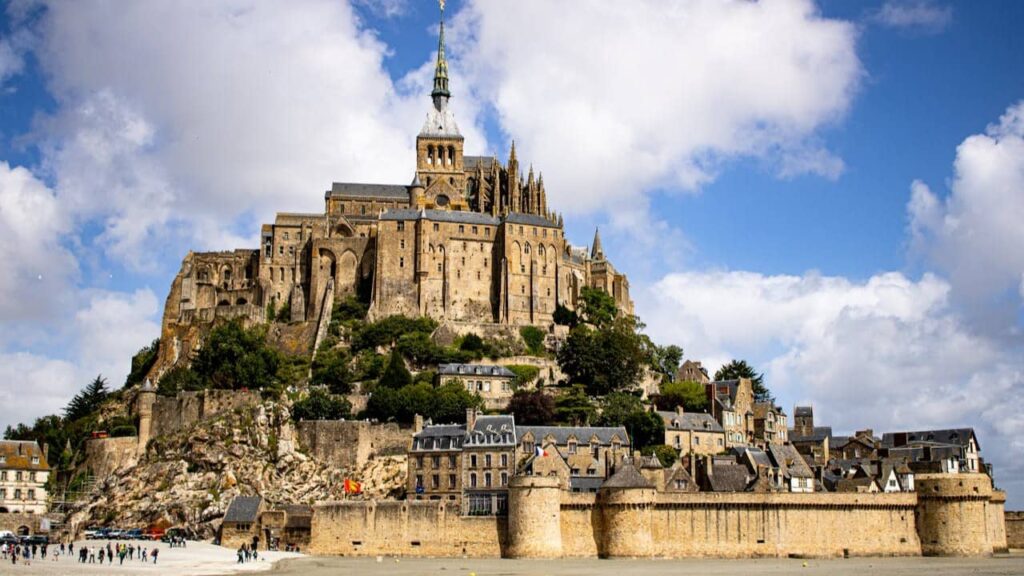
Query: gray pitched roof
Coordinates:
[583,434]
[529,219]
[243,509]
[757,456]
[627,476]
[690,421]
[803,411]
[789,461]
[585,483]
[492,431]
[439,437]
[471,162]
[457,216]
[818,434]
[729,478]
[474,370]
[382,191]
[958,436]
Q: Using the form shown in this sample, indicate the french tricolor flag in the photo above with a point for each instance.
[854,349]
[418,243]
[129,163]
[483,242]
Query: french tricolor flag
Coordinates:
[538,451]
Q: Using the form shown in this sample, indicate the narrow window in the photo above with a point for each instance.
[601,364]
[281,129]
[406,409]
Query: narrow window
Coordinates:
[436,227]
[401,226]
[462,229]
[401,262]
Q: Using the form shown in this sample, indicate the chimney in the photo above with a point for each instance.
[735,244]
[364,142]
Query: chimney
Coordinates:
[46,451]
[470,418]
[679,410]
[417,423]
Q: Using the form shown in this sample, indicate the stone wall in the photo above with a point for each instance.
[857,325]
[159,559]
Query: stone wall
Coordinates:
[188,408]
[1015,530]
[18,522]
[347,444]
[953,514]
[105,455]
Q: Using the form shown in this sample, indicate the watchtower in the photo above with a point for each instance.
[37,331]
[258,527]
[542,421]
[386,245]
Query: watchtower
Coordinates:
[534,517]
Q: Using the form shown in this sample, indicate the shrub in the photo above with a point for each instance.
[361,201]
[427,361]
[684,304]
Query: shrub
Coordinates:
[123,430]
[179,379]
[533,407]
[395,375]
[667,455]
[534,338]
[234,358]
[690,395]
[330,369]
[524,374]
[319,405]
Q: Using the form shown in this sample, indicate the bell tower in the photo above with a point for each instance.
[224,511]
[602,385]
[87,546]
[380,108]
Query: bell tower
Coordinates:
[439,145]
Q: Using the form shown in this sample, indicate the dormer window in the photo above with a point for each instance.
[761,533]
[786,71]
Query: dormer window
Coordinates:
[572,447]
[35,459]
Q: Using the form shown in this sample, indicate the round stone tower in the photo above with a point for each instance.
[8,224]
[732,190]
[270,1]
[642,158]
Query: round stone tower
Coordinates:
[534,517]
[952,514]
[627,500]
[144,406]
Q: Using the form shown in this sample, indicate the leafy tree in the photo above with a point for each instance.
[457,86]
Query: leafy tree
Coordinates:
[179,379]
[395,375]
[88,400]
[142,362]
[574,407]
[385,404]
[234,358]
[617,407]
[524,374]
[645,428]
[387,331]
[425,377]
[737,369]
[690,395]
[330,368]
[349,309]
[271,310]
[666,454]
[604,360]
[667,360]
[563,316]
[319,405]
[534,338]
[450,403]
[597,307]
[123,430]
[368,366]
[534,407]
[472,343]
[446,403]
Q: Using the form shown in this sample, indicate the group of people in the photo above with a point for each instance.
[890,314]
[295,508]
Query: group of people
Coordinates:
[121,551]
[247,552]
[26,552]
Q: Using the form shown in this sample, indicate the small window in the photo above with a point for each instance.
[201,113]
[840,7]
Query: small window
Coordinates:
[504,478]
[401,262]
[435,461]
[476,230]
[401,244]
[435,481]
[487,479]
[487,232]
[401,226]
[451,481]
[436,226]
[472,461]
[487,460]
[419,461]
[362,210]
[462,229]
[451,461]
[504,460]
[472,480]
[280,250]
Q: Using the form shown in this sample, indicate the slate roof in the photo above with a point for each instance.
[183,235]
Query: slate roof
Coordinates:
[474,370]
[382,191]
[690,421]
[757,456]
[627,476]
[439,437]
[298,515]
[471,162]
[18,455]
[803,411]
[729,478]
[789,461]
[529,219]
[243,509]
[457,216]
[957,436]
[496,431]
[585,483]
[583,434]
[854,484]
[818,434]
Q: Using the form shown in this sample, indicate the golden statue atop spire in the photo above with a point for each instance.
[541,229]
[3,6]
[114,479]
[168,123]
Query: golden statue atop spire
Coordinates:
[441,2]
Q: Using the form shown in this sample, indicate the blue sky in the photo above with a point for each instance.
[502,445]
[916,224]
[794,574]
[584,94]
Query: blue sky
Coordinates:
[828,189]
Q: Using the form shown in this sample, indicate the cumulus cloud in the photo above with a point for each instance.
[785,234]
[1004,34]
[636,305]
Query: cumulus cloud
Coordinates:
[203,120]
[656,95]
[926,15]
[11,62]
[974,234]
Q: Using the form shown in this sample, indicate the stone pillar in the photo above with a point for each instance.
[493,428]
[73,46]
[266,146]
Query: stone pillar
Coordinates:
[534,517]
[144,406]
[952,514]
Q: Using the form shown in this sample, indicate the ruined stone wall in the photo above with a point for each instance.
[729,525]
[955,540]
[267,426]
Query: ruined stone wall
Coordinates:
[171,414]
[406,528]
[105,455]
[351,444]
[1015,530]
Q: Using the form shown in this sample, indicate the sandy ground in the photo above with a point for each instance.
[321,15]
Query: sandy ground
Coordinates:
[198,559]
[998,565]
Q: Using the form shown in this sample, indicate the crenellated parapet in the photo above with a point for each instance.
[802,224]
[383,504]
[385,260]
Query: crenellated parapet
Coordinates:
[953,514]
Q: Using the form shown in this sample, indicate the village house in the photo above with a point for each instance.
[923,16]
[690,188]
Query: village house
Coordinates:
[24,472]
[492,383]
[435,462]
[692,371]
[581,456]
[939,442]
[488,457]
[241,524]
[769,424]
[732,405]
[693,432]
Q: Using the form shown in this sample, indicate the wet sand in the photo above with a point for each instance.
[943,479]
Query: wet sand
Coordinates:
[315,566]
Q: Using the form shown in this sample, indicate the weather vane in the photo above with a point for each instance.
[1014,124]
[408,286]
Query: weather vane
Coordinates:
[441,2]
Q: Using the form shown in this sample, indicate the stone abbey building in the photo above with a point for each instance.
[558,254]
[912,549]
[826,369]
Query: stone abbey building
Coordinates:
[468,240]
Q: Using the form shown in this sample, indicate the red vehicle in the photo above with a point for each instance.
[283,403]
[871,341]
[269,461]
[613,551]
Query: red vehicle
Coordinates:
[153,534]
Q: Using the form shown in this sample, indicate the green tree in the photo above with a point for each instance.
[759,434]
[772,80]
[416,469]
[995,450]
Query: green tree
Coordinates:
[690,395]
[142,362]
[87,401]
[473,344]
[737,369]
[319,405]
[532,407]
[179,379]
[369,365]
[604,360]
[563,316]
[574,407]
[395,375]
[667,455]
[234,358]
[450,403]
[596,307]
[617,407]
[534,338]
[525,374]
[667,360]
[330,369]
[645,429]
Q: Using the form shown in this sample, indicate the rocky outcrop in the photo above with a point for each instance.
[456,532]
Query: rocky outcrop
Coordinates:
[187,479]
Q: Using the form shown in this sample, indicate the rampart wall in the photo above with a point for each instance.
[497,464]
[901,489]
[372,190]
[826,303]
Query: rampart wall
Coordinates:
[1015,530]
[18,522]
[171,414]
[105,455]
[349,444]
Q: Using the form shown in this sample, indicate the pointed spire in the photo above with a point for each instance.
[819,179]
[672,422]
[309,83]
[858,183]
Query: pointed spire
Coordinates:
[441,93]
[512,154]
[596,251]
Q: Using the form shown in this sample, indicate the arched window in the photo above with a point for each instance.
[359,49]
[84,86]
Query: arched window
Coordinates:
[451,155]
[430,154]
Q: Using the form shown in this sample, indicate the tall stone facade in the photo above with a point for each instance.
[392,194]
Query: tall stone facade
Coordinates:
[469,239]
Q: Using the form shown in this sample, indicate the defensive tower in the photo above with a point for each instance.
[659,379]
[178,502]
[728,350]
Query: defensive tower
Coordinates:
[534,517]
[627,500]
[952,514]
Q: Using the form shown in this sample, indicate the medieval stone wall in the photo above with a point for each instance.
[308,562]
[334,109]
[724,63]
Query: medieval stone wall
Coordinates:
[18,522]
[351,444]
[171,414]
[1015,530]
[952,514]
[105,455]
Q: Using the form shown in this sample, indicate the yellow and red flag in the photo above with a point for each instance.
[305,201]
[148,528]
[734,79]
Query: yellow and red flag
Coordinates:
[353,487]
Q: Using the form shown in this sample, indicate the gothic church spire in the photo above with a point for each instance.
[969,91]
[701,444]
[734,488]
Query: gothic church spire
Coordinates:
[441,93]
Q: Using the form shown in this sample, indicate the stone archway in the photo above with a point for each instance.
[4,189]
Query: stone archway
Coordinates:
[23,530]
[347,273]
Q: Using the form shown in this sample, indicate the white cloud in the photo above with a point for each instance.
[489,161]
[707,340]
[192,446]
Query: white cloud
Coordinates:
[385,8]
[34,386]
[204,120]
[38,270]
[657,95]
[112,327]
[974,235]
[11,62]
[926,15]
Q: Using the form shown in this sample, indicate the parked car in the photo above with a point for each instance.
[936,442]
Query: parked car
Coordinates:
[37,539]
[134,534]
[100,534]
[116,534]
[8,537]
